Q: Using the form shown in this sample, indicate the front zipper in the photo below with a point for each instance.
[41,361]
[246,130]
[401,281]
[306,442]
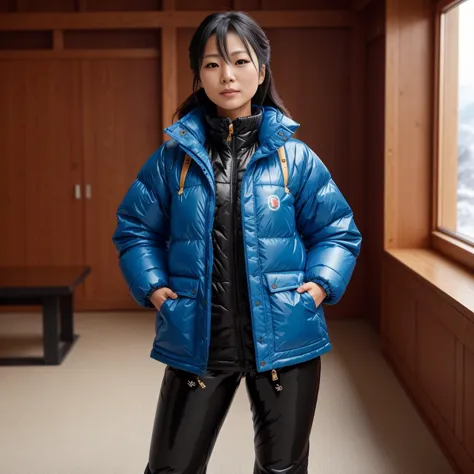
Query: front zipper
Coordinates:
[231,132]
[233,252]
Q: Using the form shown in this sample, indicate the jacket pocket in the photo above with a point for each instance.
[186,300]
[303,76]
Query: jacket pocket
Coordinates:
[295,318]
[176,321]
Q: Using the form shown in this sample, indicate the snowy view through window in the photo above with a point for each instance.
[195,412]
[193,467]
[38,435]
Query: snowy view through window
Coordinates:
[465,220]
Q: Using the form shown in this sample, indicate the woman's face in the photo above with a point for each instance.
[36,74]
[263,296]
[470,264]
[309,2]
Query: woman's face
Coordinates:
[230,86]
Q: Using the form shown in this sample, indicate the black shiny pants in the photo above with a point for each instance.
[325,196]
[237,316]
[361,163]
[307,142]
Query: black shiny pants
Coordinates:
[189,418]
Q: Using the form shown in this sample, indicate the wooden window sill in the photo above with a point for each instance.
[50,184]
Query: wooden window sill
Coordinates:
[452,281]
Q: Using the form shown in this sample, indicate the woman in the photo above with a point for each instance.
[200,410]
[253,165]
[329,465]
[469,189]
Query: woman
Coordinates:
[235,232]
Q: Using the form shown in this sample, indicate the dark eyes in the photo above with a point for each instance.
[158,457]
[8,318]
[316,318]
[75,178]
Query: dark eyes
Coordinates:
[239,62]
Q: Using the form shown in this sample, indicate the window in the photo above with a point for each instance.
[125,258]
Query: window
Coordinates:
[455,138]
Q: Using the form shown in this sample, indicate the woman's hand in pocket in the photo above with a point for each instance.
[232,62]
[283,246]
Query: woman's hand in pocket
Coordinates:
[161,295]
[316,291]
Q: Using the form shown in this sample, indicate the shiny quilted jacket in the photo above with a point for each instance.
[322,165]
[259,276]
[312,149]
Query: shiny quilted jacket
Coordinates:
[164,238]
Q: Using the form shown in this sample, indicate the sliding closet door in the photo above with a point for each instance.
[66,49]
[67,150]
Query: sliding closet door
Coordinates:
[121,114]
[41,161]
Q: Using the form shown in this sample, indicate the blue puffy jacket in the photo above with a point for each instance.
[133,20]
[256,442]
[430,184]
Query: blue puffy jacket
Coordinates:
[305,233]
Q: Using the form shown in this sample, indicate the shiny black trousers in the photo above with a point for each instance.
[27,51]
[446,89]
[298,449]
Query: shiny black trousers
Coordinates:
[189,418]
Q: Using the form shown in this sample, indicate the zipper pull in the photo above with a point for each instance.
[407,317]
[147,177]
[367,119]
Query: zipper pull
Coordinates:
[201,383]
[276,385]
[231,132]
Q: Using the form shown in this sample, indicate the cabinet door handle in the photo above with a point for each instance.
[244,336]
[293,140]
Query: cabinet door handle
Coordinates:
[77,191]
[88,191]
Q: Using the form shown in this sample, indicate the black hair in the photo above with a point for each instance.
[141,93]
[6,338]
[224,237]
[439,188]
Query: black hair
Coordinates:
[252,35]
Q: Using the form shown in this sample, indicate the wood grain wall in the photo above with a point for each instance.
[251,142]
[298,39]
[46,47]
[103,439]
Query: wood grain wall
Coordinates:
[374,131]
[409,123]
[430,343]
[121,128]
[40,150]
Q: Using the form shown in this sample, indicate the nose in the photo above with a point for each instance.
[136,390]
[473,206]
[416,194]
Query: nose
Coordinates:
[227,74]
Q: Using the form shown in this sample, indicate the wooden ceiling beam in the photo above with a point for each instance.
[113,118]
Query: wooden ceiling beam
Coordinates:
[160,19]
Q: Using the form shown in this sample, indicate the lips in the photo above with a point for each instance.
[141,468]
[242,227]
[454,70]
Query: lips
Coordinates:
[229,91]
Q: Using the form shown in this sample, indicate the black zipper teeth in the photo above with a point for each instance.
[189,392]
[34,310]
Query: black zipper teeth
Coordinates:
[233,252]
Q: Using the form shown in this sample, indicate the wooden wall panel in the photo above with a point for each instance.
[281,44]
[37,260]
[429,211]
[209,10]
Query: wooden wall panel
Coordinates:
[408,126]
[169,63]
[247,5]
[374,20]
[122,5]
[316,95]
[52,133]
[122,127]
[169,69]
[7,6]
[374,174]
[185,76]
[112,39]
[41,151]
[13,163]
[459,382]
[355,159]
[30,40]
[45,5]
[210,5]
[442,381]
[79,5]
[469,401]
[401,329]
[436,362]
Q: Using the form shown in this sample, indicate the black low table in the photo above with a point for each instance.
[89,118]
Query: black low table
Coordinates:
[53,289]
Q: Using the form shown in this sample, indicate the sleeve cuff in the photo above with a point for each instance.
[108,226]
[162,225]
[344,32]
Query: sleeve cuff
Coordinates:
[325,286]
[147,302]
[330,280]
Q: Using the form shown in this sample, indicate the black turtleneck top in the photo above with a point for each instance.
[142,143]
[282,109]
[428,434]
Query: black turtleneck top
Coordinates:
[230,145]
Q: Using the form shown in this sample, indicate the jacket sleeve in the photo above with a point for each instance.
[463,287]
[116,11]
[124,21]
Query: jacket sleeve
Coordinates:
[141,235]
[327,226]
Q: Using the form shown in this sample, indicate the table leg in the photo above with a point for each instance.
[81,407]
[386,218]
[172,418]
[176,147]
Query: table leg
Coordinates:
[51,330]
[67,318]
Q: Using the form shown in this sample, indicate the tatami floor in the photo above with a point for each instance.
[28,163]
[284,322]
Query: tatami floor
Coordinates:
[94,413]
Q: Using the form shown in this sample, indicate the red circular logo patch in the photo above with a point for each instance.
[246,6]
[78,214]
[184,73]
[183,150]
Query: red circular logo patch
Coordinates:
[273,202]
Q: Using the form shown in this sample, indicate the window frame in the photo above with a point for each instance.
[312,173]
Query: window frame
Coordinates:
[443,240]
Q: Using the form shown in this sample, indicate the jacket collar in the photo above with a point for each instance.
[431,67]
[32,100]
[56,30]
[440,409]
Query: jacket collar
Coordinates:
[274,131]
[242,135]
